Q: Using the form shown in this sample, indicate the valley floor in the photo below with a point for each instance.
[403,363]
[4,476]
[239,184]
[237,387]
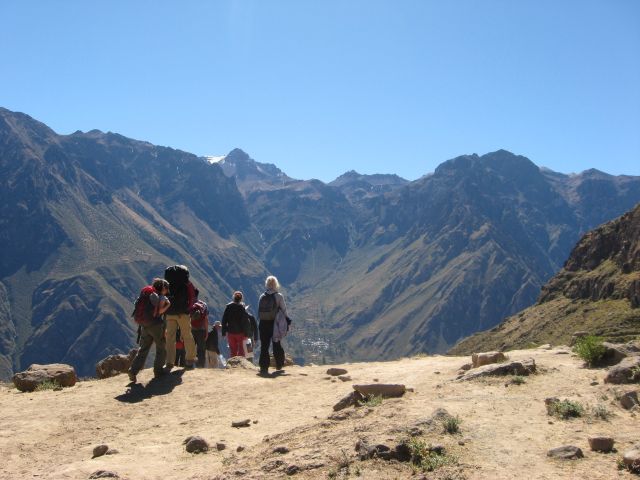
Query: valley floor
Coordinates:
[505,431]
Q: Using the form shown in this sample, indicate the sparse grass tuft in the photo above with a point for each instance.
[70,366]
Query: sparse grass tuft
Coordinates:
[451,424]
[635,374]
[48,385]
[567,409]
[518,380]
[427,460]
[590,349]
[602,412]
[372,401]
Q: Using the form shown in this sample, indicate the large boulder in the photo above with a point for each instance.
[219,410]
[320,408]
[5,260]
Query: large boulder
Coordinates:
[514,367]
[627,371]
[601,444]
[628,400]
[58,373]
[384,390]
[115,364]
[616,352]
[631,459]
[487,358]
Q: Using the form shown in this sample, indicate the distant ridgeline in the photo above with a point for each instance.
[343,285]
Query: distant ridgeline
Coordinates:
[374,266]
[597,291]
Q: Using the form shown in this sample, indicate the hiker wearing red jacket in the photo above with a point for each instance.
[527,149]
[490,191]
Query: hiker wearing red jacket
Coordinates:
[235,325]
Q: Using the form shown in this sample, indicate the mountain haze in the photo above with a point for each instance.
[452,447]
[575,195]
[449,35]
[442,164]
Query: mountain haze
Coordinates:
[373,266]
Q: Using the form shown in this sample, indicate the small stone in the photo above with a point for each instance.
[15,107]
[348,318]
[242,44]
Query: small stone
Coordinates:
[334,371]
[281,450]
[345,378]
[594,383]
[255,422]
[629,400]
[241,423]
[100,450]
[241,448]
[466,366]
[436,373]
[220,446]
[292,469]
[566,452]
[601,444]
[103,474]
[461,443]
[196,444]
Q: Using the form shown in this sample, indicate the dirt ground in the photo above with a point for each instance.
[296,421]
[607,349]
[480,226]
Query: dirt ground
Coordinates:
[505,432]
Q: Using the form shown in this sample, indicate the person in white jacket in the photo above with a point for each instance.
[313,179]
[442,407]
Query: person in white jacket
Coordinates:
[272,312]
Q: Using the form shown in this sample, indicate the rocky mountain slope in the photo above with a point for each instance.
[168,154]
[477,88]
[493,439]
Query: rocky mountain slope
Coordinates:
[597,290]
[504,432]
[373,266]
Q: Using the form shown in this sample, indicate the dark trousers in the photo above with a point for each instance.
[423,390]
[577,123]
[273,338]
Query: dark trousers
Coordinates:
[266,335]
[201,346]
[148,336]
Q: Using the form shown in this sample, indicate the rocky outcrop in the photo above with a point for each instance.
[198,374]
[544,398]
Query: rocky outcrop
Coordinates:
[384,390]
[627,371]
[486,358]
[58,374]
[114,364]
[566,452]
[514,367]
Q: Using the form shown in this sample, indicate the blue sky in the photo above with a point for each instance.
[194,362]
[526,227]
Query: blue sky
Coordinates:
[321,87]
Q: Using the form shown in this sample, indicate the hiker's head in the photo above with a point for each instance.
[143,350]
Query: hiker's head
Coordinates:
[237,297]
[160,285]
[271,283]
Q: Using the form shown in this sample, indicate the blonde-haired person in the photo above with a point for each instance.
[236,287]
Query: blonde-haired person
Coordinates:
[272,312]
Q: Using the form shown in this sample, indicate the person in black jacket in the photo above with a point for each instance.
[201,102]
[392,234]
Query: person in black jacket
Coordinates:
[236,325]
[213,348]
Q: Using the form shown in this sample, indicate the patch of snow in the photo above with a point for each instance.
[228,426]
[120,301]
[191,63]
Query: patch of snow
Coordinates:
[215,159]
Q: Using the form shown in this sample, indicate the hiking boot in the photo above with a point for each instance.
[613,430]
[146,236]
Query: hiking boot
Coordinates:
[132,377]
[160,373]
[263,372]
[167,368]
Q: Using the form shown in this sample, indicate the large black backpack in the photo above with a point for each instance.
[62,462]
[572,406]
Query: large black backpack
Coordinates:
[178,278]
[267,307]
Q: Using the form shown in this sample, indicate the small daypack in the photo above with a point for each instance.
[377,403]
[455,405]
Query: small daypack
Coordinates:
[199,314]
[267,307]
[144,313]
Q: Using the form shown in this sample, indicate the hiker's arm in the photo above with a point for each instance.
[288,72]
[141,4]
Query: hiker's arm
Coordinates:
[164,306]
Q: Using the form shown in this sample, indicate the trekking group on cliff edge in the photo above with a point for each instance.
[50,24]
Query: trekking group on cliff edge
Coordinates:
[168,312]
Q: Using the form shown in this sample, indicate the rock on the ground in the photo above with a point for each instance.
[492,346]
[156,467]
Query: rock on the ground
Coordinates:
[486,358]
[281,450]
[196,444]
[241,448]
[344,378]
[288,361]
[627,371]
[100,450]
[241,423]
[59,373]
[566,452]
[576,336]
[616,352]
[629,399]
[631,458]
[349,400]
[103,474]
[466,366]
[115,364]
[601,444]
[240,362]
[385,390]
[514,367]
[335,371]
[221,446]
[292,469]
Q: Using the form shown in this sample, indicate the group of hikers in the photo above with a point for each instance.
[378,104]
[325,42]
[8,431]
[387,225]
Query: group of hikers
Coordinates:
[170,315]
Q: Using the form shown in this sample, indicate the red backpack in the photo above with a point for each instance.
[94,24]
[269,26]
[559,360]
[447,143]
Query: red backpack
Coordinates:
[199,316]
[144,313]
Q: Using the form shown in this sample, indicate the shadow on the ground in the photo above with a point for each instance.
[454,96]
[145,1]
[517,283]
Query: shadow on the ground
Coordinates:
[157,386]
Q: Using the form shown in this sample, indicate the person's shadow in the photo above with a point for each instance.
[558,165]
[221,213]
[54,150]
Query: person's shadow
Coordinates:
[157,386]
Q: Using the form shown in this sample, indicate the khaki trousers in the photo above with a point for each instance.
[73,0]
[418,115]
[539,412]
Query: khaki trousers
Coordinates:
[183,321]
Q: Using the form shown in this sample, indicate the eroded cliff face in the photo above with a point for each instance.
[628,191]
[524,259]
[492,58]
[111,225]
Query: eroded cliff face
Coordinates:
[598,290]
